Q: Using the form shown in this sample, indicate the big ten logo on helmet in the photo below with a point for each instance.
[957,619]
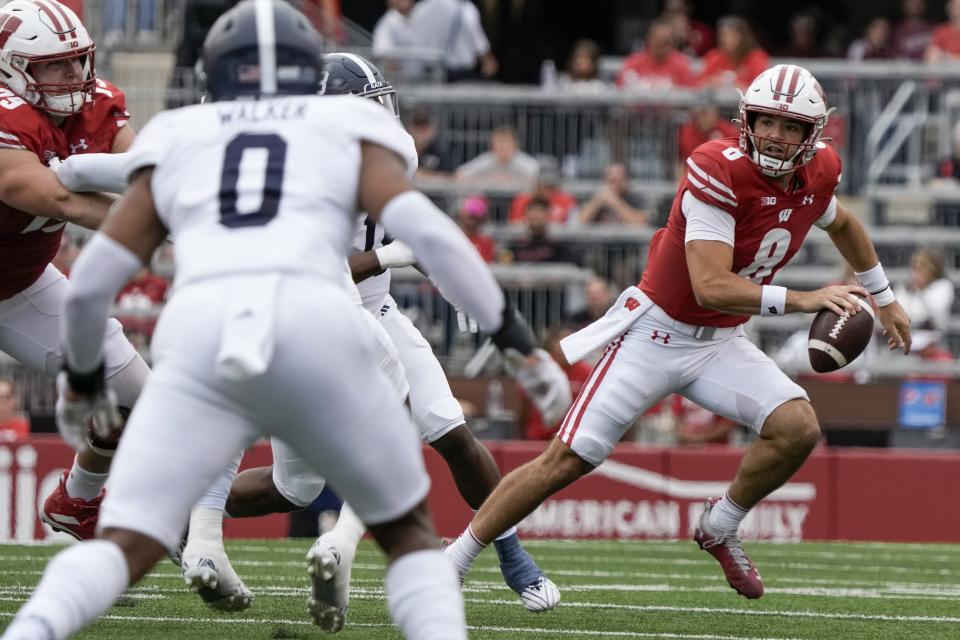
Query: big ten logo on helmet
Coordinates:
[20,496]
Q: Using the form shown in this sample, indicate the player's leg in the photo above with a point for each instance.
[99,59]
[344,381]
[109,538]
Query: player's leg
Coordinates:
[162,466]
[440,420]
[30,333]
[204,563]
[743,384]
[352,426]
[625,382]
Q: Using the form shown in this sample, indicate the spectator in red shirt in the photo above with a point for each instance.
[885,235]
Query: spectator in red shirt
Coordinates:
[737,59]
[13,424]
[911,35]
[705,124]
[471,217]
[659,65]
[548,189]
[691,36]
[530,419]
[945,42]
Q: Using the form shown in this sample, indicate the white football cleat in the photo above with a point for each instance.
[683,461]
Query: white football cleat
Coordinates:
[211,575]
[329,567]
[541,596]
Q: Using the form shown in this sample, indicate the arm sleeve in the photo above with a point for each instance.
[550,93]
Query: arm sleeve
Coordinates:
[829,215]
[705,222]
[102,269]
[95,172]
[450,259]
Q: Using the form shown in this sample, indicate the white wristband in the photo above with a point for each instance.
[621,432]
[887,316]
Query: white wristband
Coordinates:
[395,254]
[874,280]
[773,300]
[884,296]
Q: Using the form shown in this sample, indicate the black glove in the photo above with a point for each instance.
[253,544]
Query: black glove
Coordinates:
[514,333]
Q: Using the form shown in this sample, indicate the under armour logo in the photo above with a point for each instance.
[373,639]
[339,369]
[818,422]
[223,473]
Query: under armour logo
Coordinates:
[80,146]
[631,304]
[808,199]
[785,215]
[773,311]
[665,338]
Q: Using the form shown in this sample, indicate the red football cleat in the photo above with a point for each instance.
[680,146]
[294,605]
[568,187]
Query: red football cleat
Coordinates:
[728,550]
[71,515]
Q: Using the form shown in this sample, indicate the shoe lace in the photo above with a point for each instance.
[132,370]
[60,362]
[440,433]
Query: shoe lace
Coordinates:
[739,555]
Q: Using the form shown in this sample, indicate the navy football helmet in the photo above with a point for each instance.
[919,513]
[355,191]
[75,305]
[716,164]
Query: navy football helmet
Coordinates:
[261,47]
[348,73]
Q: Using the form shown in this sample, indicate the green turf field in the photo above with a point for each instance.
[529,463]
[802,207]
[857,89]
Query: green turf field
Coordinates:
[610,590]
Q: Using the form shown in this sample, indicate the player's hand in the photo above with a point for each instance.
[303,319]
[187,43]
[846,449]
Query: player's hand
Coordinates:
[395,254]
[76,414]
[839,298]
[543,381]
[896,326]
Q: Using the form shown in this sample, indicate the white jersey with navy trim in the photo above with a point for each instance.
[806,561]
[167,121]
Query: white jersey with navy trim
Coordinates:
[249,186]
[370,236]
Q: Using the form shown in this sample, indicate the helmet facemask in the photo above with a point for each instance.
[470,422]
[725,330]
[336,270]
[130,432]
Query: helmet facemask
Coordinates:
[384,94]
[62,98]
[753,144]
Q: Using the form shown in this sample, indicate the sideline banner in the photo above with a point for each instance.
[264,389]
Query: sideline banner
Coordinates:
[640,493]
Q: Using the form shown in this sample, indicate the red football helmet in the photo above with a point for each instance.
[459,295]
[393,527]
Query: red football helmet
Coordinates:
[33,31]
[792,92]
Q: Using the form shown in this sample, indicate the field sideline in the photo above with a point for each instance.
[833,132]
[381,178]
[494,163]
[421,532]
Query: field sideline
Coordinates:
[610,590]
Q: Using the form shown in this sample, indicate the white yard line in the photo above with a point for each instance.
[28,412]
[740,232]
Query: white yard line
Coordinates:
[745,612]
[489,629]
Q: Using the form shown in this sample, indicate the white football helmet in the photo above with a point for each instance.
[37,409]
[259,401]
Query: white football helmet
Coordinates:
[33,31]
[792,92]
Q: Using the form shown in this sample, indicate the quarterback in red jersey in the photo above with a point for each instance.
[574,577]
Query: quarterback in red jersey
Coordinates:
[740,214]
[53,106]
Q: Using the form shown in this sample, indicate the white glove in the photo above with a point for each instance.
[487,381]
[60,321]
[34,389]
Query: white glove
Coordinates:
[543,381]
[55,164]
[395,254]
[77,414]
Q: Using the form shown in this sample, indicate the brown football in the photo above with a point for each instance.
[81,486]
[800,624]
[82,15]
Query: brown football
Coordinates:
[836,340]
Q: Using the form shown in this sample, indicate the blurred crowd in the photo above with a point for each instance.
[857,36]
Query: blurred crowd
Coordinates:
[677,51]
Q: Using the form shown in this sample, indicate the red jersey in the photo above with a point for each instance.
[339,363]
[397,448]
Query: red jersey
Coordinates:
[946,37]
[770,224]
[642,70]
[28,243]
[717,63]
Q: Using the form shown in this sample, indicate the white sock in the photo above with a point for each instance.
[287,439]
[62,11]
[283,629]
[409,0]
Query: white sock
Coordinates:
[216,495]
[727,515]
[506,534]
[83,484]
[348,530]
[79,585]
[206,529]
[463,551]
[424,599]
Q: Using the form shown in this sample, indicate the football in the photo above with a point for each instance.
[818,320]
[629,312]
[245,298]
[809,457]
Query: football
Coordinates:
[836,340]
